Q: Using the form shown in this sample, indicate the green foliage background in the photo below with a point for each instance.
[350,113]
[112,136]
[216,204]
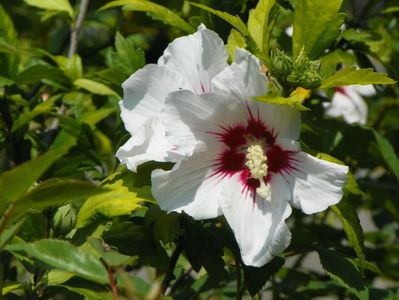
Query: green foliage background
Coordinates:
[75,225]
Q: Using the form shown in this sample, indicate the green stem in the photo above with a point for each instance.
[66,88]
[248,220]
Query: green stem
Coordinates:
[172,264]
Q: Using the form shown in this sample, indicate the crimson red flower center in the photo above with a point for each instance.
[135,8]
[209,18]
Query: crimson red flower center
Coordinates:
[233,159]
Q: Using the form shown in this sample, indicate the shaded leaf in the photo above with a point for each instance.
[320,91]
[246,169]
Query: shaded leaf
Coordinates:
[15,182]
[8,233]
[256,278]
[388,153]
[62,255]
[56,192]
[344,273]
[159,11]
[234,21]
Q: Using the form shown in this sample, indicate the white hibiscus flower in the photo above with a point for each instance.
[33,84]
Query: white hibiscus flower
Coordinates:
[243,160]
[349,104]
[188,63]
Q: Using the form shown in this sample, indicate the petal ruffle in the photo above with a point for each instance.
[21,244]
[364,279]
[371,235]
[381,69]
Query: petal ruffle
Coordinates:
[198,57]
[259,227]
[192,120]
[144,94]
[189,187]
[315,184]
[243,79]
[149,143]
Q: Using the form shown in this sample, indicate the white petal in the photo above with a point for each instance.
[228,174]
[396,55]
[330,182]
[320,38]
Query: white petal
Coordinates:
[197,57]
[189,187]
[282,119]
[192,119]
[149,143]
[316,184]
[144,94]
[364,90]
[243,79]
[349,105]
[259,227]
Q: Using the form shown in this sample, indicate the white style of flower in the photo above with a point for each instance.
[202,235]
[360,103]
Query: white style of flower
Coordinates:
[242,159]
[349,104]
[188,63]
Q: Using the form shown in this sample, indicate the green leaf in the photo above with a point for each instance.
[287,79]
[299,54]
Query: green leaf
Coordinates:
[158,11]
[256,278]
[57,5]
[72,67]
[9,233]
[56,192]
[15,182]
[388,153]
[235,40]
[352,75]
[127,58]
[39,72]
[42,108]
[123,198]
[295,100]
[7,29]
[260,23]
[234,21]
[351,223]
[94,87]
[316,25]
[344,273]
[62,255]
[6,47]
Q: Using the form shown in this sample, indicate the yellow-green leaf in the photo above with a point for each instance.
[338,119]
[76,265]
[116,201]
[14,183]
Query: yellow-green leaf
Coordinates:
[94,87]
[57,5]
[161,12]
[352,75]
[295,99]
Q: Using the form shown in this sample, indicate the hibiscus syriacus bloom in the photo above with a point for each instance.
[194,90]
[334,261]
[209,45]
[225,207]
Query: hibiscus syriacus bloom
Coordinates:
[242,159]
[349,104]
[188,63]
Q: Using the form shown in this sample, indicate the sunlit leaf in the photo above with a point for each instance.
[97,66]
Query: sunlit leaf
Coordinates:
[295,99]
[352,75]
[316,25]
[57,5]
[123,198]
[260,23]
[94,87]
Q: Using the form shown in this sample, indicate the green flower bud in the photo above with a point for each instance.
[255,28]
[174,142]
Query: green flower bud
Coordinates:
[305,73]
[281,64]
[64,219]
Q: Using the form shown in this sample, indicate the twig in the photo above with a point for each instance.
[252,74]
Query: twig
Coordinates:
[112,283]
[75,29]
[173,261]
[240,284]
[73,47]
[6,216]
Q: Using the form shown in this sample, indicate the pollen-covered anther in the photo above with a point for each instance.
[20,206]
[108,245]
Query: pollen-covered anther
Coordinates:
[257,165]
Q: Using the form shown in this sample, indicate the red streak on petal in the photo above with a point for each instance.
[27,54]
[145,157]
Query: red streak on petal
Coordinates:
[341,90]
[279,160]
